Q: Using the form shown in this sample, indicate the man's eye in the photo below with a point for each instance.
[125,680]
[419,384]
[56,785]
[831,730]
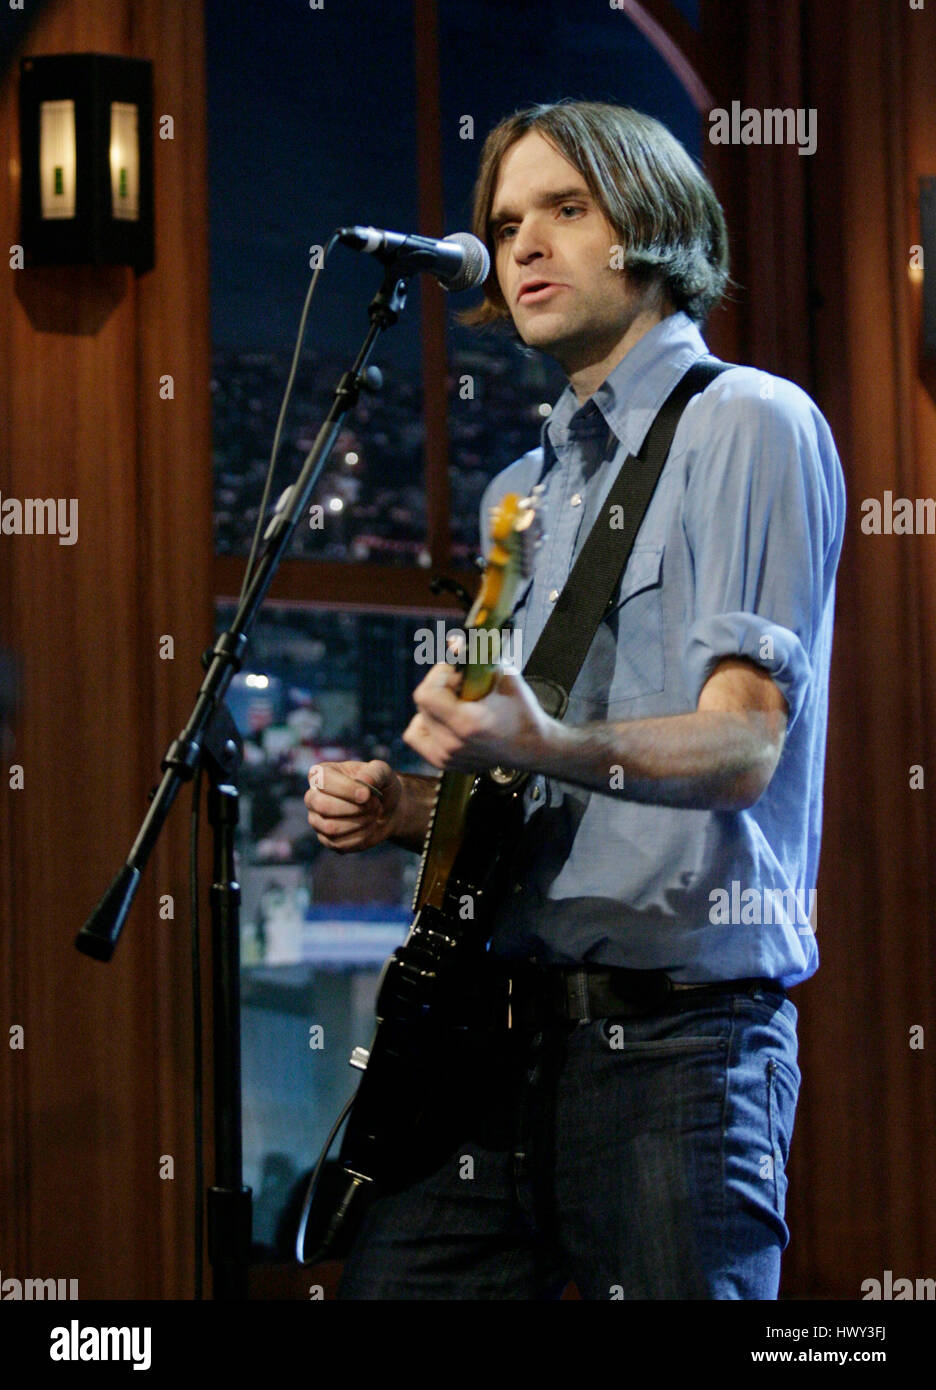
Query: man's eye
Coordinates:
[570,207]
[504,232]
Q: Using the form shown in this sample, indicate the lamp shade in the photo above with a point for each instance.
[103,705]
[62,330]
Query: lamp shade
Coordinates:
[86,160]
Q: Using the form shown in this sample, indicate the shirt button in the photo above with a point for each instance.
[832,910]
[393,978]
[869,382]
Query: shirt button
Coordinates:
[535,793]
[553,595]
[576,499]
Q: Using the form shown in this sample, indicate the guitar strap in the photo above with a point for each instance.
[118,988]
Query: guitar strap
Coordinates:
[563,644]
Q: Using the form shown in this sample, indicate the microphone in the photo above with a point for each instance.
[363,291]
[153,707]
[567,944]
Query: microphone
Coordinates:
[459,261]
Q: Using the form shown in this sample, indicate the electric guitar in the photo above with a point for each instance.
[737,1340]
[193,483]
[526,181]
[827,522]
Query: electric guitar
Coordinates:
[476,819]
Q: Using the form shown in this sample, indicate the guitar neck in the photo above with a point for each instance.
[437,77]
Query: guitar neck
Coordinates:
[443,839]
[512,536]
[446,826]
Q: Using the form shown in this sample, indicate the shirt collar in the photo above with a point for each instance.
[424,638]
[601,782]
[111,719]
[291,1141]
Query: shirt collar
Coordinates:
[633,391]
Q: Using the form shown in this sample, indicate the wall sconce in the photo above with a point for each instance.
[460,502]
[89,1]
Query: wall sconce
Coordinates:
[86,160]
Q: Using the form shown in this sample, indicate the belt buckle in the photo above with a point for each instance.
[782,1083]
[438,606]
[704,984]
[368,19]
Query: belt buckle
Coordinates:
[640,995]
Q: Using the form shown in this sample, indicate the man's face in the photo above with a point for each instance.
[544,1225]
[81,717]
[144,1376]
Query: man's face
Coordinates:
[550,235]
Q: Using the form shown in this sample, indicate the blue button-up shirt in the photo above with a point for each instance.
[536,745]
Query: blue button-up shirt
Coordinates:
[736,556]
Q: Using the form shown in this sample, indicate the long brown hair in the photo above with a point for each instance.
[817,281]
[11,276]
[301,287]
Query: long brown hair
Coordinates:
[660,204]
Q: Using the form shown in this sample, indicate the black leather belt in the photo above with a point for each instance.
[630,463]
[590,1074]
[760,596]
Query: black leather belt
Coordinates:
[527,995]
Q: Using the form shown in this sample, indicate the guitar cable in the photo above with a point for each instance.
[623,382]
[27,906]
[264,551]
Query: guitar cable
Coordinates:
[313,1185]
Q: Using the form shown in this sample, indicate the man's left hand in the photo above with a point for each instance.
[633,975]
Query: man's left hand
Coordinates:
[507,728]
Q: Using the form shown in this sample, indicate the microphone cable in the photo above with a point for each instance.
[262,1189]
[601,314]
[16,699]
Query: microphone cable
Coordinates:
[264,501]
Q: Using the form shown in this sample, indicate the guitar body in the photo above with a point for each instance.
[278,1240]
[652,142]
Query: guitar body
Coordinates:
[475,822]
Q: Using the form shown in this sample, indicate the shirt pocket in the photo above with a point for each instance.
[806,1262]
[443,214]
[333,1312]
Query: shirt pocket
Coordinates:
[634,621]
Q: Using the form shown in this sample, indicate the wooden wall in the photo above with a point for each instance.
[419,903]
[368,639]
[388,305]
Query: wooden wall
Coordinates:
[823,246]
[101,1088]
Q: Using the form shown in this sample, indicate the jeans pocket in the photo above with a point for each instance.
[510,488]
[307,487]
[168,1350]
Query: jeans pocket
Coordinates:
[619,1036]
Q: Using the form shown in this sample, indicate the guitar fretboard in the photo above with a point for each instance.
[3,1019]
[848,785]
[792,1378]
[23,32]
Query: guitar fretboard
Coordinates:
[426,843]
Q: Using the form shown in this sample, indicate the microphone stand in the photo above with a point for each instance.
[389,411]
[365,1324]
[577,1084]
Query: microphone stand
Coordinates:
[229,1201]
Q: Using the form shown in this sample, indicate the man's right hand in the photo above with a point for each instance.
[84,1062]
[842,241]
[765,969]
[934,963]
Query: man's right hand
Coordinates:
[353,805]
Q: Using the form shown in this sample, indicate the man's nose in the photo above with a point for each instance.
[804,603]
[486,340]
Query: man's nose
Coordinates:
[530,241]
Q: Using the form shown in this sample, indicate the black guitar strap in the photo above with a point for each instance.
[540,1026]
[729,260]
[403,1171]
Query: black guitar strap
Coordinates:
[563,644]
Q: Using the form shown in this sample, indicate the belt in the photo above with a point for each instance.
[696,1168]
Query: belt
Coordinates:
[527,995]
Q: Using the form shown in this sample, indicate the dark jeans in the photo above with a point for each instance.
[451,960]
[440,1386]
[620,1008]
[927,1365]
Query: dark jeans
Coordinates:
[642,1158]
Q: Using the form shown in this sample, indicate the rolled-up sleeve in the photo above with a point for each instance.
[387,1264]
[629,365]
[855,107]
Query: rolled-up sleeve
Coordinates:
[756,522]
[776,648]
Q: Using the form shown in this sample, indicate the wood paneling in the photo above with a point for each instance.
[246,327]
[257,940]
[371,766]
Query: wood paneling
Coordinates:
[871,1096]
[102,1087]
[825,243]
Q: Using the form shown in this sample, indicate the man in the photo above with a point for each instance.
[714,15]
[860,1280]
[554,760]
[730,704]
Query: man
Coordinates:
[631,1133]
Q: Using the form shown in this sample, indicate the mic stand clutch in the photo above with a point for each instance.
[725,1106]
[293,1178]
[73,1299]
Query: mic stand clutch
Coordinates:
[229,1202]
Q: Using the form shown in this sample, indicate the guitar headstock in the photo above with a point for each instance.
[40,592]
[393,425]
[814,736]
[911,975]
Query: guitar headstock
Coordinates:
[515,531]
